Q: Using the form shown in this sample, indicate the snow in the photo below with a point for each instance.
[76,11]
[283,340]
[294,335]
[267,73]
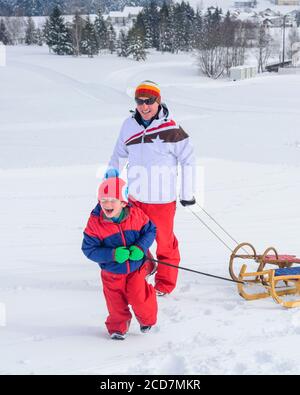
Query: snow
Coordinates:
[60,117]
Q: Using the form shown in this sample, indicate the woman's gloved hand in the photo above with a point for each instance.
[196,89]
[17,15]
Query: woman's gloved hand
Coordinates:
[188,202]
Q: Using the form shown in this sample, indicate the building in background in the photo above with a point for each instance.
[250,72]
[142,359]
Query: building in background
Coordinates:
[126,17]
[287,2]
[245,4]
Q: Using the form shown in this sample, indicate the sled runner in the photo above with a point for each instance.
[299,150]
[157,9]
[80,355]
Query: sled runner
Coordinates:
[270,279]
[278,283]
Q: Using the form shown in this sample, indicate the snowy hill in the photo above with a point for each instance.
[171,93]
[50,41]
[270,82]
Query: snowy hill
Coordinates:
[60,117]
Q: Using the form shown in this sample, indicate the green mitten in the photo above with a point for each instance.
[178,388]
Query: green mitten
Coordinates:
[136,254]
[121,254]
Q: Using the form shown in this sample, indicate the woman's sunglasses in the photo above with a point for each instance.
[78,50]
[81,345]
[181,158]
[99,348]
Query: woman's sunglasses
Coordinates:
[149,101]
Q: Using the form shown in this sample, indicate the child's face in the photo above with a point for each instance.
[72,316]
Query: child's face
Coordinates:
[112,207]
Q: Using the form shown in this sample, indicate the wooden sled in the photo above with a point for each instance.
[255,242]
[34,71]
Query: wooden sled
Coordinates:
[267,279]
[281,261]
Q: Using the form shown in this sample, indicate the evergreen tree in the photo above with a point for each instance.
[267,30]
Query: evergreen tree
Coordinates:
[148,23]
[77,32]
[137,48]
[101,31]
[4,34]
[30,32]
[198,26]
[212,28]
[112,39]
[179,29]
[166,29]
[189,26]
[49,5]
[89,42]
[5,8]
[39,37]
[46,32]
[45,7]
[139,26]
[298,18]
[58,36]
[228,40]
[123,45]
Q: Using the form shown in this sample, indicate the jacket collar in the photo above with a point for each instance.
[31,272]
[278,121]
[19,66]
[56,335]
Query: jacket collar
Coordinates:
[98,212]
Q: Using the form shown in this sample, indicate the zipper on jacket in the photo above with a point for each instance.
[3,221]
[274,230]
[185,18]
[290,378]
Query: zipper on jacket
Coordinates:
[144,134]
[124,242]
[142,145]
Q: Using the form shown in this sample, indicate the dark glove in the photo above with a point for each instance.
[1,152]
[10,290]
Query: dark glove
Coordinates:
[188,202]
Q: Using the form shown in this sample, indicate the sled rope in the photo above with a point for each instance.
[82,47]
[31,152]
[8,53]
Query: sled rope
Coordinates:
[213,232]
[196,271]
[220,226]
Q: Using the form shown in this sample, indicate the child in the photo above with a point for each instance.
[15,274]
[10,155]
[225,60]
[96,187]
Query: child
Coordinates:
[118,237]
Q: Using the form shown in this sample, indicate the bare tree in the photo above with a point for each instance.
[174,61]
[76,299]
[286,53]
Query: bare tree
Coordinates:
[222,43]
[264,47]
[211,49]
[212,61]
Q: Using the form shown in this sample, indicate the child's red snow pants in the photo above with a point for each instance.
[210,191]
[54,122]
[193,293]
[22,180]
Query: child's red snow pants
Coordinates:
[162,215]
[121,290]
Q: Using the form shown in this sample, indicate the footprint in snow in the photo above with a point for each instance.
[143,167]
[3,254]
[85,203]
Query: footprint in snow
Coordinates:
[173,364]
[295,322]
[24,361]
[185,288]
[174,314]
[262,357]
[240,368]
[285,366]
[229,306]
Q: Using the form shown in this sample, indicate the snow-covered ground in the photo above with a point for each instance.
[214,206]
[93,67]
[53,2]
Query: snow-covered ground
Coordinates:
[60,117]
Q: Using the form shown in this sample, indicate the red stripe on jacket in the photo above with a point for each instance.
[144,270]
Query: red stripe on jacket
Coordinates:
[164,125]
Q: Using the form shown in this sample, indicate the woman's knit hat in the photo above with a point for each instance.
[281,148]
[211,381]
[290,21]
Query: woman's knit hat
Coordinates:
[148,89]
[113,188]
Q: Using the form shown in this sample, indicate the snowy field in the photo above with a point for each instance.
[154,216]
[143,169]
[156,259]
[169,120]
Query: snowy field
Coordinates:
[59,119]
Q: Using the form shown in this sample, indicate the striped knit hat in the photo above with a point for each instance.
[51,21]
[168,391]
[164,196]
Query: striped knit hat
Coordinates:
[148,89]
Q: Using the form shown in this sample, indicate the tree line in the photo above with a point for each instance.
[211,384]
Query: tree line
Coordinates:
[220,41]
[44,7]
